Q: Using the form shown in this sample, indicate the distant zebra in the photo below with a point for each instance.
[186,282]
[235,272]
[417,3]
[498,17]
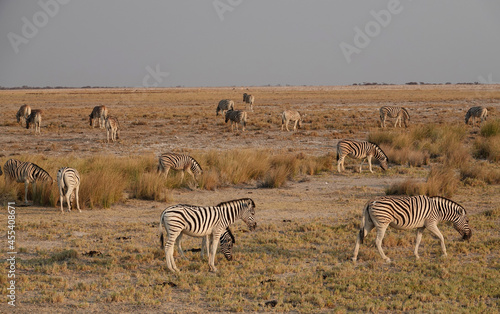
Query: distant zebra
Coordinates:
[236,116]
[411,212]
[112,128]
[100,113]
[476,112]
[27,172]
[290,115]
[35,118]
[360,150]
[399,113]
[199,221]
[179,162]
[249,99]
[226,242]
[68,180]
[224,105]
[24,112]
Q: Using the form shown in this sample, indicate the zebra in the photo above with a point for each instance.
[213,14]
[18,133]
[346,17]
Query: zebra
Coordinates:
[476,112]
[360,150]
[236,116]
[35,118]
[224,105]
[26,172]
[68,180]
[411,212]
[226,242]
[290,115]
[100,113]
[179,162]
[199,221]
[399,113]
[24,111]
[112,128]
[249,99]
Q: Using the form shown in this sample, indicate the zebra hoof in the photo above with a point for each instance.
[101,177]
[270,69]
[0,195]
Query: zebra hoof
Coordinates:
[388,260]
[354,259]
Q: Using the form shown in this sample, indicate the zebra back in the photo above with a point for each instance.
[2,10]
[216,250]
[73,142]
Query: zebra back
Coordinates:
[224,104]
[237,116]
[179,162]
[68,177]
[360,149]
[22,171]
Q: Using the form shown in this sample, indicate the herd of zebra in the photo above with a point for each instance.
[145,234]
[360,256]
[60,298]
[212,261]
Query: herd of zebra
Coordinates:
[212,222]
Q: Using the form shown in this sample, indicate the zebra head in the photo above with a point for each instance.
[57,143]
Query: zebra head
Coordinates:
[383,164]
[406,117]
[226,244]
[248,213]
[228,114]
[461,224]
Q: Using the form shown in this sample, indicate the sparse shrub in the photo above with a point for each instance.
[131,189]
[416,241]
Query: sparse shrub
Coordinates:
[64,255]
[408,187]
[487,148]
[491,128]
[150,186]
[481,171]
[276,177]
[441,181]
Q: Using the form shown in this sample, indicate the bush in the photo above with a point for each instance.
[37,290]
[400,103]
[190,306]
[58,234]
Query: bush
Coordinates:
[441,181]
[491,128]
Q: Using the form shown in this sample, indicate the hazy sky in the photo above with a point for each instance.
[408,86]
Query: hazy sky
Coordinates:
[247,42]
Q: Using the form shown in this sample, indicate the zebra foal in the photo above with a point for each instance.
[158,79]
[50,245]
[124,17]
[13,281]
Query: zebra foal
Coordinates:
[100,113]
[196,221]
[24,112]
[249,99]
[236,116]
[112,128]
[360,150]
[224,105]
[180,162]
[68,180]
[399,113]
[411,212]
[35,118]
[476,112]
[291,115]
[226,242]
[27,172]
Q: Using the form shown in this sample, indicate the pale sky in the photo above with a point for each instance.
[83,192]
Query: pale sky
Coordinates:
[247,42]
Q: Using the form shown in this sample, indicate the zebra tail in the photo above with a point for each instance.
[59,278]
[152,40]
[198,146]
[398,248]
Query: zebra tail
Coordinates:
[363,220]
[162,239]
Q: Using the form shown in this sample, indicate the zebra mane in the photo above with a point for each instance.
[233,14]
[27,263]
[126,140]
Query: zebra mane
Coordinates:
[380,150]
[235,201]
[448,200]
[406,111]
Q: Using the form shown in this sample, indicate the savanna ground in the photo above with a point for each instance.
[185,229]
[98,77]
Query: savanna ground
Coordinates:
[108,258]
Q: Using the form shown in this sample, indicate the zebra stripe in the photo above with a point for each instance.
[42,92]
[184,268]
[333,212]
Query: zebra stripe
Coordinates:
[27,172]
[199,221]
[290,115]
[411,212]
[35,118]
[24,111]
[112,128]
[100,113]
[224,105]
[68,180]
[360,150]
[179,162]
[476,112]
[249,99]
[226,242]
[399,113]
[236,116]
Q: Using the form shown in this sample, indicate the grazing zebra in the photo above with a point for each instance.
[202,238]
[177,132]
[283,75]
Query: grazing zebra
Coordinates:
[476,112]
[236,116]
[290,115]
[35,118]
[226,242]
[179,162]
[399,113]
[249,99]
[68,180]
[26,172]
[112,128]
[199,221]
[100,113]
[411,212]
[360,150]
[224,105]
[24,111]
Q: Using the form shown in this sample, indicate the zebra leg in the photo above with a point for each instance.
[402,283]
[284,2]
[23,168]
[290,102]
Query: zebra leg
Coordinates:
[212,251]
[434,229]
[169,251]
[417,241]
[204,246]
[366,226]
[295,125]
[68,200]
[76,196]
[378,242]
[61,199]
[369,164]
[361,165]
[179,247]
[26,183]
